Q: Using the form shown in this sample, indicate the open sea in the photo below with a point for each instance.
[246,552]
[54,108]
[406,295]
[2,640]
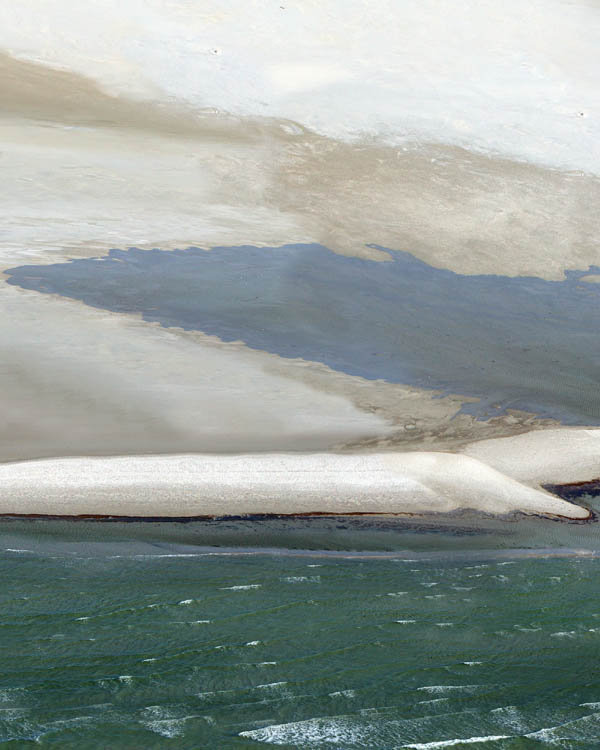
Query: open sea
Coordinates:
[154,636]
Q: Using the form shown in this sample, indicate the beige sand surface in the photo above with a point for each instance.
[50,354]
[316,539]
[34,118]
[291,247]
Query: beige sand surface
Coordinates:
[268,483]
[89,171]
[556,456]
[76,380]
[81,381]
[86,171]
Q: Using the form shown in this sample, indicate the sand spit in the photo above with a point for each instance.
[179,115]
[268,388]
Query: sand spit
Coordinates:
[220,485]
[554,456]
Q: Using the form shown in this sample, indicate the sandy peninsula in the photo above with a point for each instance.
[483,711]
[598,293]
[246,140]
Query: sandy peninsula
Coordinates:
[272,483]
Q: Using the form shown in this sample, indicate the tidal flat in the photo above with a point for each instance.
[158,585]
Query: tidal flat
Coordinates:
[521,343]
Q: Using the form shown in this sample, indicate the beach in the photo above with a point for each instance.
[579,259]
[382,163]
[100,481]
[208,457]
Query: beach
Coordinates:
[221,486]
[436,237]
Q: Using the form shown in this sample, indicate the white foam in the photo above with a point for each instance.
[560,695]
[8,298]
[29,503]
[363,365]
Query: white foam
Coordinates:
[448,688]
[301,579]
[167,727]
[187,554]
[309,732]
[511,717]
[450,743]
[405,622]
[343,694]
[8,549]
[186,601]
[271,685]
[245,587]
[252,643]
[163,721]
[341,731]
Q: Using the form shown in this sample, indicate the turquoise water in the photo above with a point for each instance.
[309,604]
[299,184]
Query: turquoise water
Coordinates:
[131,643]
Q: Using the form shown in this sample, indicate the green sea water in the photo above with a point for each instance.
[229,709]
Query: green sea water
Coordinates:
[113,637]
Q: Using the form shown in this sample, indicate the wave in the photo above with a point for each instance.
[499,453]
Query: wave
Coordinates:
[244,587]
[584,728]
[163,721]
[448,688]
[450,743]
[372,728]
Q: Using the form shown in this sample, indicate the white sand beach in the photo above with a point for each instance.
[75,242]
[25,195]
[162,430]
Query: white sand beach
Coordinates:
[219,485]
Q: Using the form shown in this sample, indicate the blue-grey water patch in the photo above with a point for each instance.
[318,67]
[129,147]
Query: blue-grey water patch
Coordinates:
[523,343]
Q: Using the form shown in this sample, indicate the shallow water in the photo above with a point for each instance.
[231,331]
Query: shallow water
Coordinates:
[112,636]
[521,342]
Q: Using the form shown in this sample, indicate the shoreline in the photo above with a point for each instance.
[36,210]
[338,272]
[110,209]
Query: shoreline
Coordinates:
[400,555]
[425,516]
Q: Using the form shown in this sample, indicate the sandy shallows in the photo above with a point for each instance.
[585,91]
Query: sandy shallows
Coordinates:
[219,485]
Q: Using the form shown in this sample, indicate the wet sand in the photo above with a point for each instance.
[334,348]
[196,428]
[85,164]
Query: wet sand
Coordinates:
[503,342]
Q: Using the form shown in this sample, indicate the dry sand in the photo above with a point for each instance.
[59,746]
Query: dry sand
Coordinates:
[180,486]
[89,171]
[558,456]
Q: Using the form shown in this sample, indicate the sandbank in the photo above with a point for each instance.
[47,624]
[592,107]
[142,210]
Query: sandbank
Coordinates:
[554,456]
[250,484]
